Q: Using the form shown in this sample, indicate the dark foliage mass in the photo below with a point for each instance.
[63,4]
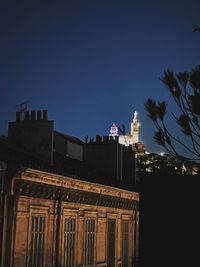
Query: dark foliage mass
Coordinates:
[184,88]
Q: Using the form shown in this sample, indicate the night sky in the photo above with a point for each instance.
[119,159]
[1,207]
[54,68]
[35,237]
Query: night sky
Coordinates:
[93,62]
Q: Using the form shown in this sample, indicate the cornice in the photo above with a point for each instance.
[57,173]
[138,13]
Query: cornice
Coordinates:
[47,191]
[71,183]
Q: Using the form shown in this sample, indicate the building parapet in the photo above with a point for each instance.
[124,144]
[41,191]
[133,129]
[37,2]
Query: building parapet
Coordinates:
[104,139]
[41,177]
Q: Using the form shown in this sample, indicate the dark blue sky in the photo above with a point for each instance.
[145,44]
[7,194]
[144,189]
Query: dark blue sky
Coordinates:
[93,62]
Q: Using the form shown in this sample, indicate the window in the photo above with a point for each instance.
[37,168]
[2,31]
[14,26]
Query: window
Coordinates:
[89,242]
[137,236]
[111,243]
[37,241]
[125,243]
[69,242]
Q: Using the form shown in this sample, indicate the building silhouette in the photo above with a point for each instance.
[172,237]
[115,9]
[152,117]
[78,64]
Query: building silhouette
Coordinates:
[60,208]
[113,159]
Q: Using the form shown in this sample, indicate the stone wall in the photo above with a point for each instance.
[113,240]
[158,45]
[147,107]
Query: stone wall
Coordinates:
[52,213]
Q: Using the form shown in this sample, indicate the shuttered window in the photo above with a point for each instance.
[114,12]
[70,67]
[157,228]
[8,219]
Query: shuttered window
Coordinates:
[89,242]
[111,243]
[125,244]
[69,242]
[36,258]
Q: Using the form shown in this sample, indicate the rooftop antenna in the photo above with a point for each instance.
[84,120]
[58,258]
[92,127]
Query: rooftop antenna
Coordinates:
[22,108]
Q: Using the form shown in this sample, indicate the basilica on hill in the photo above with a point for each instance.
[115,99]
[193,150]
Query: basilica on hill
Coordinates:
[132,139]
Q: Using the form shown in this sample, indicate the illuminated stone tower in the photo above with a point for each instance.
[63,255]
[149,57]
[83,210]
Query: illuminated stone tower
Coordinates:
[135,126]
[113,130]
[133,138]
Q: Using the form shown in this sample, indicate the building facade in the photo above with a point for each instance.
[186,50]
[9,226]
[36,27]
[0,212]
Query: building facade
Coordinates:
[112,159]
[34,132]
[53,220]
[63,202]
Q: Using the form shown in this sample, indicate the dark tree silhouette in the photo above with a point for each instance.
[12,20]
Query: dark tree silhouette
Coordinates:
[196,28]
[185,90]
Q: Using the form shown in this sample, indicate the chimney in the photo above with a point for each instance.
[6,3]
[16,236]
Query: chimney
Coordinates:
[86,139]
[39,115]
[26,115]
[98,138]
[117,138]
[17,116]
[111,138]
[45,115]
[33,117]
[106,138]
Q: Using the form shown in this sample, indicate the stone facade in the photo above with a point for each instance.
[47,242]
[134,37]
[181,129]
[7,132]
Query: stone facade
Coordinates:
[53,220]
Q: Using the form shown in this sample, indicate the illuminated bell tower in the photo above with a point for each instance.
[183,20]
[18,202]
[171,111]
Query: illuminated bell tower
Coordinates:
[113,130]
[135,125]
